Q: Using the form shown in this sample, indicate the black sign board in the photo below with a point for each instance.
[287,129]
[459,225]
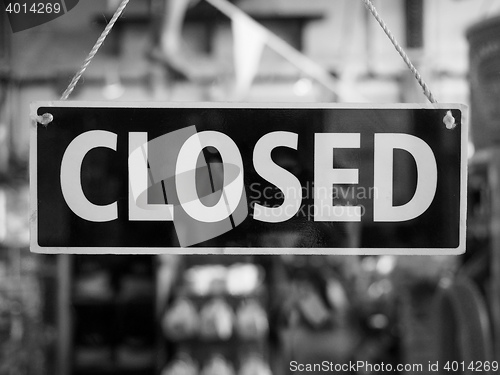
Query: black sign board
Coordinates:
[243,178]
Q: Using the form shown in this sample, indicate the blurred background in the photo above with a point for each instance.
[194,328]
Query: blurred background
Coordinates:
[252,315]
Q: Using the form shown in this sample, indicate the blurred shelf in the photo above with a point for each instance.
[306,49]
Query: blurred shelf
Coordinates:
[258,294]
[198,345]
[204,12]
[235,339]
[112,303]
[109,326]
[114,370]
[286,23]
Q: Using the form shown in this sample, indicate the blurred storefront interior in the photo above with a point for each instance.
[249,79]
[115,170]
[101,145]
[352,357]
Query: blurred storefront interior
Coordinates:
[250,315]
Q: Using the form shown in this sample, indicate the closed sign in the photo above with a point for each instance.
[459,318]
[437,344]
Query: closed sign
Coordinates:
[220,178]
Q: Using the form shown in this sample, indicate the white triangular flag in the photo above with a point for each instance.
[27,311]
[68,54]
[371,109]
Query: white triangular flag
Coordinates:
[249,39]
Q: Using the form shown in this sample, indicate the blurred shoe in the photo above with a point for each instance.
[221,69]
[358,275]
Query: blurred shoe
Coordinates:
[216,320]
[251,320]
[206,279]
[255,365]
[244,279]
[181,321]
[182,365]
[218,365]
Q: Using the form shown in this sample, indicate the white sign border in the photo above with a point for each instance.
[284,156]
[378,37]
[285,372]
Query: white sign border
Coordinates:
[35,248]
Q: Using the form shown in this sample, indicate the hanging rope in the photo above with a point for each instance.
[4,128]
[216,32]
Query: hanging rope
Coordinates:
[94,50]
[402,53]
